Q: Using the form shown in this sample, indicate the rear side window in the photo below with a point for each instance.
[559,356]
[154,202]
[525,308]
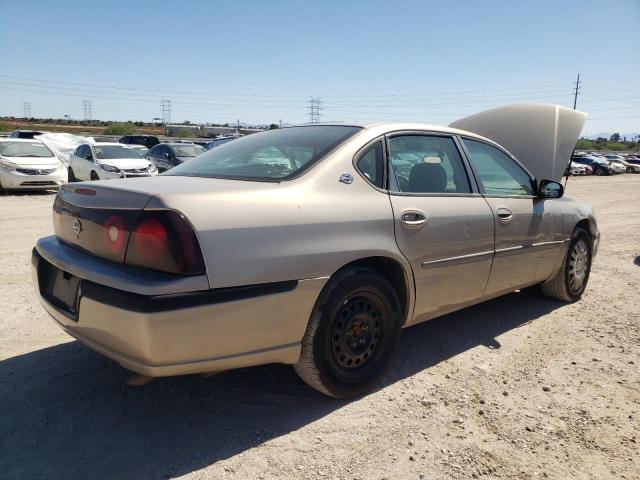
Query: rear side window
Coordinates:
[268,156]
[499,174]
[427,164]
[371,164]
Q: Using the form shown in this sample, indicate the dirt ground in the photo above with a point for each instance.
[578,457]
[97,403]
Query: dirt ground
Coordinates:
[519,387]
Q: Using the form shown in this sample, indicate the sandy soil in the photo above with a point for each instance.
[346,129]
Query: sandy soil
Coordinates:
[519,387]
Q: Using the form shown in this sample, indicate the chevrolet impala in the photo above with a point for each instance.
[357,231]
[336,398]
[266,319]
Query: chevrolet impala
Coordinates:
[316,245]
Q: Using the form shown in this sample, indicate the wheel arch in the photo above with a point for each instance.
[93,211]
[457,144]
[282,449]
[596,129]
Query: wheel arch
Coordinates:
[399,276]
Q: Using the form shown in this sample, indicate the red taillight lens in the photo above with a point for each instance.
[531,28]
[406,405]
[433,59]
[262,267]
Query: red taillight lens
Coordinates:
[165,241]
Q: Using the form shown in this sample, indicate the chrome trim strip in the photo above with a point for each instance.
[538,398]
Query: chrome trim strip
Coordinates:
[462,259]
[522,248]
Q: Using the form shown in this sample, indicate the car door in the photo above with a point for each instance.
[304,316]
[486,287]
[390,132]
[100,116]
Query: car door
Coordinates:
[443,225]
[526,249]
[80,162]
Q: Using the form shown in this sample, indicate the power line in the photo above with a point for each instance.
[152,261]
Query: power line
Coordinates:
[27,109]
[86,105]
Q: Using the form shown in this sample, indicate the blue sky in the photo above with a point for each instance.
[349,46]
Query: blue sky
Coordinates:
[367,61]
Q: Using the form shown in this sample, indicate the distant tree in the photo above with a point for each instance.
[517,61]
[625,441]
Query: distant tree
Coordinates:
[273,126]
[187,122]
[615,137]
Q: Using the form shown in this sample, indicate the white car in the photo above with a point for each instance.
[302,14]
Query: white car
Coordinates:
[105,161]
[618,166]
[29,165]
[578,169]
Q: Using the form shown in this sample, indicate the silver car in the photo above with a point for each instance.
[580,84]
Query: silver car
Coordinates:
[316,245]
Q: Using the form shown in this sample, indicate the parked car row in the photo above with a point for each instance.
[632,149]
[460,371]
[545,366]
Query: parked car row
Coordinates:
[600,164]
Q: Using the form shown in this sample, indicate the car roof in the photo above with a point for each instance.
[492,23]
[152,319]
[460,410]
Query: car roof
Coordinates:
[174,144]
[113,144]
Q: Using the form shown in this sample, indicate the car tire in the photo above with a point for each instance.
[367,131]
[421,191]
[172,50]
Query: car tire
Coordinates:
[353,334]
[629,170]
[72,175]
[569,283]
[94,175]
[599,172]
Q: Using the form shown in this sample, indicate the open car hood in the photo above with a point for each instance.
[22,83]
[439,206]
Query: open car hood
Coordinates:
[541,136]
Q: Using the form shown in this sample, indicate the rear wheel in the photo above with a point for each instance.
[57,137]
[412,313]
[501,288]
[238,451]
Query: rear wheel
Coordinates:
[352,335]
[94,176]
[599,171]
[571,280]
[629,169]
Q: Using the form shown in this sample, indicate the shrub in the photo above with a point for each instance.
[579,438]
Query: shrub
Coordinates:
[119,128]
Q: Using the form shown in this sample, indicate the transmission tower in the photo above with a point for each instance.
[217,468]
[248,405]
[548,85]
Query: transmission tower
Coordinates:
[27,109]
[314,110]
[166,111]
[86,105]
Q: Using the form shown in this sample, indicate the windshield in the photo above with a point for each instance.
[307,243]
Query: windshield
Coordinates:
[24,149]
[188,150]
[273,155]
[104,152]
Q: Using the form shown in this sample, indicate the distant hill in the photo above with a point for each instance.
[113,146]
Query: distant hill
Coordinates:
[607,135]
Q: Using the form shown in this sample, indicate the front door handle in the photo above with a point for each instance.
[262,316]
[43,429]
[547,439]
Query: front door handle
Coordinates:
[413,218]
[504,214]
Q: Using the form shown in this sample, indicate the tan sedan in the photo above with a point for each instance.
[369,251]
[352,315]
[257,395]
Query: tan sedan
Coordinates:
[315,245]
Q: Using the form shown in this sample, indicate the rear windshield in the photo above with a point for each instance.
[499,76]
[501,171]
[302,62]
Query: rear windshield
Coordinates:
[104,152]
[273,155]
[188,150]
[24,149]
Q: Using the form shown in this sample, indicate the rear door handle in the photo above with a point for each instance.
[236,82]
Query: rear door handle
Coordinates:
[504,214]
[413,218]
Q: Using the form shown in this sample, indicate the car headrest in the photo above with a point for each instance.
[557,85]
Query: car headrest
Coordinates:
[427,178]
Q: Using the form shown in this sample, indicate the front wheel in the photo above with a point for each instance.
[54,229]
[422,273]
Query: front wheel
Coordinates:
[353,334]
[599,171]
[629,169]
[94,176]
[72,175]
[571,280]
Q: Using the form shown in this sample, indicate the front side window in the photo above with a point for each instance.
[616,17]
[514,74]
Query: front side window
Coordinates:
[272,155]
[24,149]
[427,164]
[371,164]
[499,174]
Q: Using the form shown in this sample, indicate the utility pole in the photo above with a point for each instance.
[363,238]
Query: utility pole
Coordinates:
[575,95]
[166,111]
[27,109]
[314,110]
[280,123]
[86,105]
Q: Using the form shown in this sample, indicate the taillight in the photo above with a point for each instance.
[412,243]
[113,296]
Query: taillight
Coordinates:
[164,241]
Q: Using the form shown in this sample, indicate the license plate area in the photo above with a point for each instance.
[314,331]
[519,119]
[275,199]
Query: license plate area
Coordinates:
[59,288]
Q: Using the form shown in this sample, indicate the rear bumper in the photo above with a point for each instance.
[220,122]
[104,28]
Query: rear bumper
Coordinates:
[192,332]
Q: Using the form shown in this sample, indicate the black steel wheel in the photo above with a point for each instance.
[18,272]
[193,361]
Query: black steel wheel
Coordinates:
[352,335]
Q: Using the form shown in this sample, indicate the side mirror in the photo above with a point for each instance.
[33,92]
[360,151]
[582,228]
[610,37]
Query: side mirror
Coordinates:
[550,189]
[166,155]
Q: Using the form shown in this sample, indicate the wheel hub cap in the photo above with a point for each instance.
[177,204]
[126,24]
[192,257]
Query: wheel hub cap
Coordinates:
[578,265]
[355,333]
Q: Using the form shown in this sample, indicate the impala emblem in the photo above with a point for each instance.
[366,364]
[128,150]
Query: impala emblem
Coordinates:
[346,178]
[77,227]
